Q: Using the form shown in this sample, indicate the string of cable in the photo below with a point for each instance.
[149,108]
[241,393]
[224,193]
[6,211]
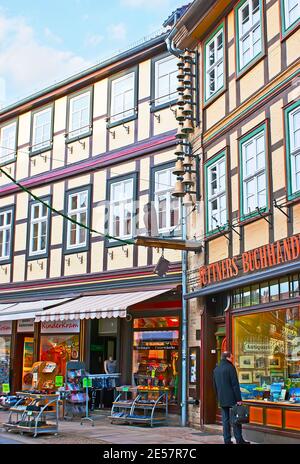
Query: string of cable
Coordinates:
[53,210]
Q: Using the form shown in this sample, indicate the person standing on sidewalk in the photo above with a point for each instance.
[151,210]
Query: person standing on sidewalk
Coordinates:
[228,392]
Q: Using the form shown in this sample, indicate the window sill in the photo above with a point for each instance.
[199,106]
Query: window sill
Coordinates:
[6,163]
[211,235]
[121,121]
[214,97]
[252,217]
[78,137]
[40,151]
[290,31]
[37,256]
[116,243]
[72,251]
[293,199]
[4,262]
[250,66]
[154,108]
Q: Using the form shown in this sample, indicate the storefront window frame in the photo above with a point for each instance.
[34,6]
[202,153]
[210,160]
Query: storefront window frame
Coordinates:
[51,334]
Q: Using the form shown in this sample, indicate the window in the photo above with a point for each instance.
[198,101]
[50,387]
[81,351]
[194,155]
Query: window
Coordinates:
[80,114]
[41,133]
[294,142]
[291,13]
[214,64]
[167,207]
[6,218]
[216,194]
[121,212]
[165,80]
[122,97]
[8,142]
[249,31]
[39,215]
[254,189]
[78,209]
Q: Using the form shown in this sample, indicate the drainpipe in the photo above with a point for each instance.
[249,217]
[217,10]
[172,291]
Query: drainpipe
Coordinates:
[177,52]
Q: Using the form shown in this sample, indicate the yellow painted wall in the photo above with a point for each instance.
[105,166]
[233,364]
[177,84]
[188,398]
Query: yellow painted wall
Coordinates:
[5,273]
[122,169]
[22,206]
[97,257]
[40,163]
[164,157]
[99,137]
[256,234]
[20,237]
[100,98]
[167,121]
[144,121]
[24,128]
[60,110]
[57,230]
[19,268]
[59,145]
[55,263]
[144,79]
[292,47]
[122,138]
[79,181]
[215,112]
[58,196]
[252,81]
[75,267]
[99,187]
[80,150]
[119,259]
[36,269]
[218,249]
[296,214]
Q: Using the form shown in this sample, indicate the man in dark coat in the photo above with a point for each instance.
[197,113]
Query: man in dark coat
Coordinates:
[228,391]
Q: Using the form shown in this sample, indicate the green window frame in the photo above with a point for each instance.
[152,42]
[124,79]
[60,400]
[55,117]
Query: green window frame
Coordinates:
[250,37]
[219,195]
[253,183]
[292,153]
[285,9]
[213,60]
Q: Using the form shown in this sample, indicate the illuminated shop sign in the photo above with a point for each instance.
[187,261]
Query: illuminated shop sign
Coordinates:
[258,259]
[60,327]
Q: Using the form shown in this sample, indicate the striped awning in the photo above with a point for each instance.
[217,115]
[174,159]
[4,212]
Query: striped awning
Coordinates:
[26,310]
[96,306]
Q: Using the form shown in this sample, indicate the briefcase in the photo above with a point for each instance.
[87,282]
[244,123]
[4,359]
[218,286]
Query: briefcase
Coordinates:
[239,414]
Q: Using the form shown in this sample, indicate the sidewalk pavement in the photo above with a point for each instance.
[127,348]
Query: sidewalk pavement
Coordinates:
[103,432]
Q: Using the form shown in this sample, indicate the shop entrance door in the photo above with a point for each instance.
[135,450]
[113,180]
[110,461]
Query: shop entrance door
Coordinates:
[220,335]
[23,362]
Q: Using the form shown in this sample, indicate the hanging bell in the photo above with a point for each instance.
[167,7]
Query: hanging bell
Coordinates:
[179,115]
[188,161]
[187,109]
[188,56]
[187,179]
[180,133]
[180,63]
[180,75]
[179,151]
[188,200]
[179,189]
[187,94]
[180,87]
[187,80]
[180,100]
[179,169]
[188,127]
[187,68]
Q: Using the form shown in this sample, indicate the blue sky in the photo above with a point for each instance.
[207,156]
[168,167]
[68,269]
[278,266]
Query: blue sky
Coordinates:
[42,41]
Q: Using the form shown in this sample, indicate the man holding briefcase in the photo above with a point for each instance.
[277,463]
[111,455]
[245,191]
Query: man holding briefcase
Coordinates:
[229,394]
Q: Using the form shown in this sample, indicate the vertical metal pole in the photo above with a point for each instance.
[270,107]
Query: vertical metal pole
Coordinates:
[184,325]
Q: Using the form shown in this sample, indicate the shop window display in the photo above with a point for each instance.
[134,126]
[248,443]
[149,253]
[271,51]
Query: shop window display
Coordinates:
[155,353]
[59,349]
[267,354]
[4,359]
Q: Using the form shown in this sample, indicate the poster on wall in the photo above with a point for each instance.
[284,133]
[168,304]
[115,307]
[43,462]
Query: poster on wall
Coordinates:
[60,327]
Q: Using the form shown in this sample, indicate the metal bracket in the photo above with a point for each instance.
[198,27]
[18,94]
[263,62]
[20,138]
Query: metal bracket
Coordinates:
[263,216]
[111,254]
[4,269]
[80,258]
[276,205]
[82,143]
[126,251]
[113,133]
[40,264]
[127,128]
[70,148]
[157,116]
[232,227]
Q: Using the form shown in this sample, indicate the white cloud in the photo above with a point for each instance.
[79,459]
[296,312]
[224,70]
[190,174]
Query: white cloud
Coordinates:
[94,40]
[26,64]
[117,31]
[51,36]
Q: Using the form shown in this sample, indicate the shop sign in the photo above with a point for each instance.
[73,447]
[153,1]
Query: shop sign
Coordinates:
[256,347]
[5,328]
[155,347]
[5,388]
[60,327]
[25,325]
[264,257]
[59,381]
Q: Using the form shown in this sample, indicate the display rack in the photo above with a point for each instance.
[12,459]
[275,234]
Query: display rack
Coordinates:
[34,413]
[103,378]
[142,407]
[75,396]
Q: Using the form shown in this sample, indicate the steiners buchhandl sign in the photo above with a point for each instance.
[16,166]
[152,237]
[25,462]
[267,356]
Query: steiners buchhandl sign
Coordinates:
[260,258]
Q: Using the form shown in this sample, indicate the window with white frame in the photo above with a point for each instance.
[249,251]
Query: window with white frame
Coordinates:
[291,12]
[121,209]
[6,218]
[216,195]
[78,210]
[8,142]
[165,80]
[122,97]
[41,132]
[80,114]
[167,207]
[214,64]
[38,240]
[254,173]
[294,136]
[250,31]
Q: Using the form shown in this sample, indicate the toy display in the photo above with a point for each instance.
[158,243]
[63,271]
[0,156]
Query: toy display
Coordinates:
[43,376]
